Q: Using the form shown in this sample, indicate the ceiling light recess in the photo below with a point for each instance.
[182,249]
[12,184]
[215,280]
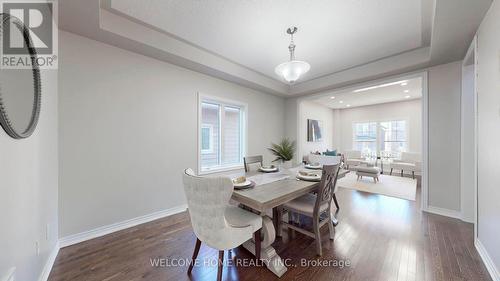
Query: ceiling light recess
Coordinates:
[293,69]
[380,86]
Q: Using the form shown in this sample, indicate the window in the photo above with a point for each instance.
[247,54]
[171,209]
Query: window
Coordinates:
[207,139]
[380,138]
[221,135]
[365,137]
[393,137]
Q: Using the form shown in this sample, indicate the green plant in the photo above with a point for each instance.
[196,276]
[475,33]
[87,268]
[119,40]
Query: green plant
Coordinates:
[283,151]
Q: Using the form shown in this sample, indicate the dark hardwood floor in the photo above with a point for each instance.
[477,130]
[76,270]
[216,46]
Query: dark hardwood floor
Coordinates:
[382,238]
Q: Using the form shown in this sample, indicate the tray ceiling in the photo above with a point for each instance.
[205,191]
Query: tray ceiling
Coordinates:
[242,41]
[333,34]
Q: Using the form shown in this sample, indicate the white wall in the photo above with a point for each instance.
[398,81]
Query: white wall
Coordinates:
[128,128]
[467,167]
[28,191]
[291,117]
[411,111]
[488,86]
[444,136]
[311,110]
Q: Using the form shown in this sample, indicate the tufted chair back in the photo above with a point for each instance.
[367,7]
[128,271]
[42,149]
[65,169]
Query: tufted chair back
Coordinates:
[208,199]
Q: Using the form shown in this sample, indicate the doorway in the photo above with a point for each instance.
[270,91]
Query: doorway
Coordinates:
[362,117]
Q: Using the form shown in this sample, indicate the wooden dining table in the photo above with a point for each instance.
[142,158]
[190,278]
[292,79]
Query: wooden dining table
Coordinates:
[272,190]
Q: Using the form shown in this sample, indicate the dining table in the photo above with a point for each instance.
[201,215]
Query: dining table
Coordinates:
[270,191]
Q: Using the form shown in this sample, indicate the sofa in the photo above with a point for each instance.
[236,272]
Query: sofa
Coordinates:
[323,159]
[328,157]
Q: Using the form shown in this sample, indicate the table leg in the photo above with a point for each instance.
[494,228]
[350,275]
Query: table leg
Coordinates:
[275,218]
[268,253]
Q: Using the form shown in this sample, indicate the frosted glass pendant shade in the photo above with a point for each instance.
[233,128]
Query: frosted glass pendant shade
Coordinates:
[292,70]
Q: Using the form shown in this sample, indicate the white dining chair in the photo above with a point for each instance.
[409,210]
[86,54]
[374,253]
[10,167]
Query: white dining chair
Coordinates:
[249,160]
[215,222]
[316,206]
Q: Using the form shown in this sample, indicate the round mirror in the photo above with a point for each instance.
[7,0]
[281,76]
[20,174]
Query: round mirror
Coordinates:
[20,89]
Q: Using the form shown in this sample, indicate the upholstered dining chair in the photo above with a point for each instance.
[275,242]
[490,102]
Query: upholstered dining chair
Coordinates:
[252,160]
[215,222]
[317,206]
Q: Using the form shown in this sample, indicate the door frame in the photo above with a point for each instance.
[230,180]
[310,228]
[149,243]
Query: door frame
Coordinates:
[470,59]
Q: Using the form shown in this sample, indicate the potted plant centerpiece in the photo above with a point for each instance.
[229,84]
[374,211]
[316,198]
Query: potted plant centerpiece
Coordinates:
[284,152]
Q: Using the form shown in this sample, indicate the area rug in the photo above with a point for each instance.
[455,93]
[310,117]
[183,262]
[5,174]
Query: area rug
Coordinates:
[393,186]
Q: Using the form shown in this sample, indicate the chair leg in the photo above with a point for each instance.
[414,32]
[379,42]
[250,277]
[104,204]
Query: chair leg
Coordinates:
[375,179]
[336,202]
[413,174]
[317,234]
[290,219]
[220,266]
[401,172]
[195,254]
[296,218]
[279,219]
[330,226]
[390,172]
[257,239]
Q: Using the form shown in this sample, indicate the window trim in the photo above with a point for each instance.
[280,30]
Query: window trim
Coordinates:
[202,97]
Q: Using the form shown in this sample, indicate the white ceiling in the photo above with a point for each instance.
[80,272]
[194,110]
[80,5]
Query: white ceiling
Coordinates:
[241,41]
[333,34]
[384,94]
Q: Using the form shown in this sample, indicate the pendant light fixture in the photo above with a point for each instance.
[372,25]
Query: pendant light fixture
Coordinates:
[293,69]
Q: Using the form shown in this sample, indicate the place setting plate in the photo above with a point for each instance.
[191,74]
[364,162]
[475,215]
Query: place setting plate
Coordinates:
[308,177]
[313,166]
[268,169]
[244,185]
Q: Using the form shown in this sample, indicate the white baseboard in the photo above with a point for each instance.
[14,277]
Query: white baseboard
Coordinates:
[47,268]
[444,212]
[107,229]
[488,262]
